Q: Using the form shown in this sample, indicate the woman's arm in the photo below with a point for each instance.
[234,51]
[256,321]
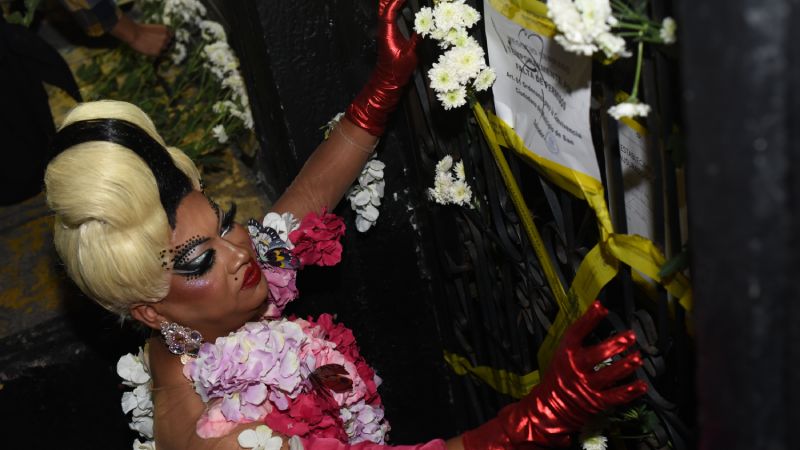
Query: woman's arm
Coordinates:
[328,172]
[334,165]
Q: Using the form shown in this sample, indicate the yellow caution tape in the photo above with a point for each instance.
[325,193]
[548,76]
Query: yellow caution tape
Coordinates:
[500,380]
[600,265]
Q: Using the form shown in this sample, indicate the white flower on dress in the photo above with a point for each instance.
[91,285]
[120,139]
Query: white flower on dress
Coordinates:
[668,29]
[138,402]
[132,370]
[594,442]
[260,438]
[283,224]
[219,134]
[146,445]
[629,109]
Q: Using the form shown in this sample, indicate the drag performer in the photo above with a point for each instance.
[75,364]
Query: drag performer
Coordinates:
[137,234]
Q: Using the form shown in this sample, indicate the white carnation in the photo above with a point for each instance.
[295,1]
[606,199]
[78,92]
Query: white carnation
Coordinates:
[629,109]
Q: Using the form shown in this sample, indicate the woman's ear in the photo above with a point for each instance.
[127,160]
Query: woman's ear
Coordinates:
[147,314]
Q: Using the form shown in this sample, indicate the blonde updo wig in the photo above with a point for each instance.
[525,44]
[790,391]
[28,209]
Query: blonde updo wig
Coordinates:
[110,224]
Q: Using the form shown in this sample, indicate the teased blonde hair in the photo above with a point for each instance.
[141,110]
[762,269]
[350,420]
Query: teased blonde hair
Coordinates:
[110,226]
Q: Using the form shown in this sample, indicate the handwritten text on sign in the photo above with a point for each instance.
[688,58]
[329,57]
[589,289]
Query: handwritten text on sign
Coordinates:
[543,92]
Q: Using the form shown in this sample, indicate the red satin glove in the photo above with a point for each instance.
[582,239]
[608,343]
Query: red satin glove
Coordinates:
[570,393]
[396,62]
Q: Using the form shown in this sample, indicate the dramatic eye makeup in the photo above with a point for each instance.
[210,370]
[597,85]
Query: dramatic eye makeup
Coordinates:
[226,221]
[187,265]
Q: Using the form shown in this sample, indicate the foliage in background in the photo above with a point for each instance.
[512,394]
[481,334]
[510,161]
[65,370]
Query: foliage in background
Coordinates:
[194,93]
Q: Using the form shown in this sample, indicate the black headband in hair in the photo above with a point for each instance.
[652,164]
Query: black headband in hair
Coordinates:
[172,183]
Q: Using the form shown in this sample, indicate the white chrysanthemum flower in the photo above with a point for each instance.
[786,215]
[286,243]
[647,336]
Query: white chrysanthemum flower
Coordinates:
[612,45]
[444,164]
[469,15]
[577,47]
[423,21]
[453,99]
[178,54]
[260,438]
[212,31]
[629,109]
[443,77]
[183,11]
[595,442]
[668,29]
[485,79]
[235,83]
[447,16]
[220,58]
[461,174]
[219,134]
[456,37]
[461,193]
[581,23]
[467,61]
[182,35]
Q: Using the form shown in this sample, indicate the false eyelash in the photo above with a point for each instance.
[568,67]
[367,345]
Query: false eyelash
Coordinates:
[226,224]
[197,267]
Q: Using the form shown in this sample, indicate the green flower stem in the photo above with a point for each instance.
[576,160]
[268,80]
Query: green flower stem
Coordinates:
[632,26]
[639,58]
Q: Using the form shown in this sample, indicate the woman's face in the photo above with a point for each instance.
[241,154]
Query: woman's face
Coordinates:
[216,284]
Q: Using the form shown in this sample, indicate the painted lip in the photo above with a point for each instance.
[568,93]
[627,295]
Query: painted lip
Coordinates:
[252,276]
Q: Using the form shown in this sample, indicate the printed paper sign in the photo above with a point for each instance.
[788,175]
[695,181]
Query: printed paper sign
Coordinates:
[542,91]
[637,180]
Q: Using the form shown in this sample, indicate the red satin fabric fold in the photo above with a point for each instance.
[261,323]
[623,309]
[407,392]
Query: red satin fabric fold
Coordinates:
[396,62]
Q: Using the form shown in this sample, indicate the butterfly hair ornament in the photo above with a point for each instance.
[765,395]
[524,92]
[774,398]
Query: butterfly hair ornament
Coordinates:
[270,247]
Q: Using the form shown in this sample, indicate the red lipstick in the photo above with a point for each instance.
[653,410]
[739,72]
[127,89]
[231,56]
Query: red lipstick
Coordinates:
[252,276]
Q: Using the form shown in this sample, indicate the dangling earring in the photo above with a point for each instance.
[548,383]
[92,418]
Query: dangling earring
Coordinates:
[181,340]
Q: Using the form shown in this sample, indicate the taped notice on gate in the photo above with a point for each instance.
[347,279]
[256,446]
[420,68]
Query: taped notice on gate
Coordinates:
[542,91]
[542,96]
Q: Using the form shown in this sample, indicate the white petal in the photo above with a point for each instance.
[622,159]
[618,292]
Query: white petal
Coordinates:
[248,438]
